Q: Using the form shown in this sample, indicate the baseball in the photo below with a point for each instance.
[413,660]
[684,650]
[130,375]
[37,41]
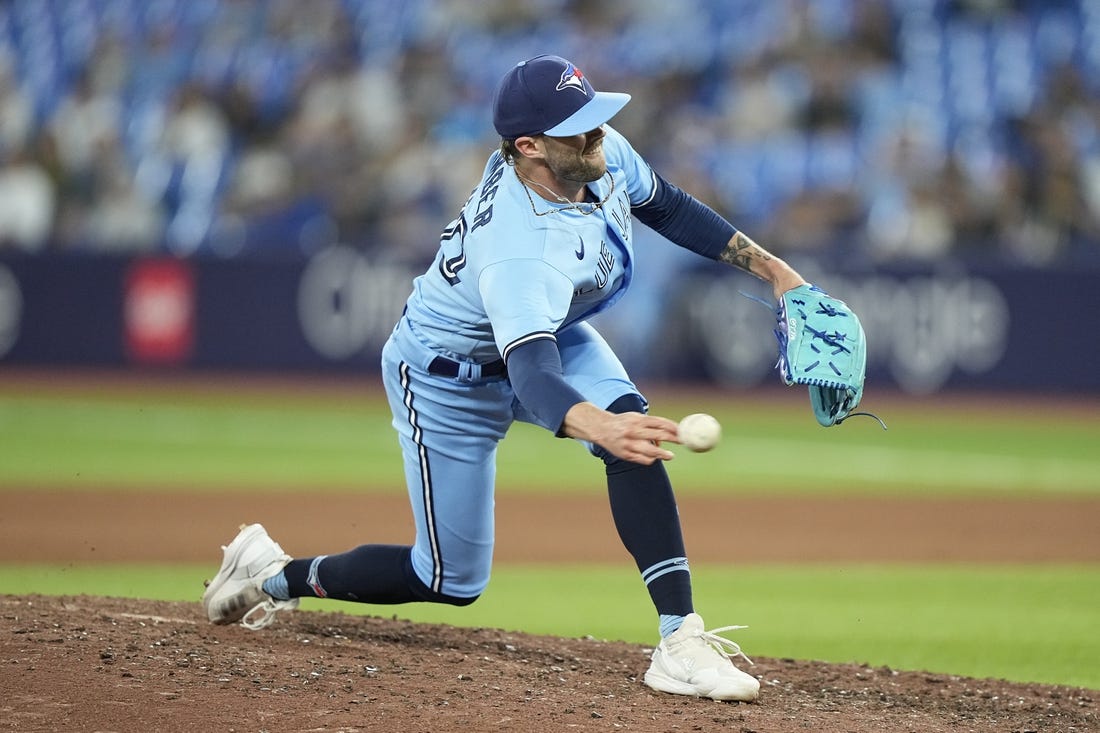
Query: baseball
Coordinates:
[699,432]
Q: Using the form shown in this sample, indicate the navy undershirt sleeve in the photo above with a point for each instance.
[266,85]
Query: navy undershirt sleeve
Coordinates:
[534,370]
[684,220]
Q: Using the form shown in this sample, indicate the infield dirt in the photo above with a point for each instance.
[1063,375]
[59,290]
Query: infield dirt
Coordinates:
[98,664]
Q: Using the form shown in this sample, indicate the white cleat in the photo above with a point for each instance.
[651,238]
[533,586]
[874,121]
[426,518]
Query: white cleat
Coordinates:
[691,661]
[236,592]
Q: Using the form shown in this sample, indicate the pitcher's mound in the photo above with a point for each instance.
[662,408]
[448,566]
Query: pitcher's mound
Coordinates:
[88,663]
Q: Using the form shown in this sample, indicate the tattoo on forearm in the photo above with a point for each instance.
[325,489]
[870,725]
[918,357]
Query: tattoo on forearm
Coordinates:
[742,251]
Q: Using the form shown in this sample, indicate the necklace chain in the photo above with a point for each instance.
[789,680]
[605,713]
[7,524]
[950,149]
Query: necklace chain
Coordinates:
[584,207]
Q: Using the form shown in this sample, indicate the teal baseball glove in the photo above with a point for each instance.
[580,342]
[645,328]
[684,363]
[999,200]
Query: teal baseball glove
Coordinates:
[822,345]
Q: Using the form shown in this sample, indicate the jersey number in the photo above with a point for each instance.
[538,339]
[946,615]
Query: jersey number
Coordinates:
[450,267]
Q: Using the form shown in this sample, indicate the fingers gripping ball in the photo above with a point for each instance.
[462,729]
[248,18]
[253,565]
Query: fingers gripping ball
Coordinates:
[699,432]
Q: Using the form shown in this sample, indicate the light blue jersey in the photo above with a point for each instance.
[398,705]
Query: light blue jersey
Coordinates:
[514,266]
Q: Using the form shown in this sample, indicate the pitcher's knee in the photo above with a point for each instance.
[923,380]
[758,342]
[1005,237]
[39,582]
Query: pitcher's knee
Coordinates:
[456,600]
[631,402]
[466,586]
[460,596]
[455,585]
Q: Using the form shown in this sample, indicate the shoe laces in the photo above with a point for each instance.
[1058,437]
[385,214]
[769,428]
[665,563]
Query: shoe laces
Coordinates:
[723,645]
[263,613]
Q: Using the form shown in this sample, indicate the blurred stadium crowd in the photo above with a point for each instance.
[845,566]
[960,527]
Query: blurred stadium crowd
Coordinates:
[880,130]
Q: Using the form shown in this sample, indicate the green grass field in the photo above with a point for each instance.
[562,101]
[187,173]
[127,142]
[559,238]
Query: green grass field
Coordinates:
[211,441]
[1029,623]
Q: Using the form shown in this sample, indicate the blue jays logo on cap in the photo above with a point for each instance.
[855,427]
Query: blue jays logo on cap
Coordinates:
[530,100]
[572,77]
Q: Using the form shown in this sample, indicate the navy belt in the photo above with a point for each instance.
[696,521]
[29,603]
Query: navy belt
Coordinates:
[444,367]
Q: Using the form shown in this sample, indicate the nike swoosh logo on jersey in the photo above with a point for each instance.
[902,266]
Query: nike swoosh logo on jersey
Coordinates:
[580,252]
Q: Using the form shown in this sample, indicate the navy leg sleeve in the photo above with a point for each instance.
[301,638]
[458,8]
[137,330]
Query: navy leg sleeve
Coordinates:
[644,509]
[367,574]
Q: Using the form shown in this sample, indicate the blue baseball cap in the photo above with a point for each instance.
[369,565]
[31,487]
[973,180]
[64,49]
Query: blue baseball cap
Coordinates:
[548,95]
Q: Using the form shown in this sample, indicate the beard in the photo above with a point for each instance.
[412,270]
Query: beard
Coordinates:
[579,168]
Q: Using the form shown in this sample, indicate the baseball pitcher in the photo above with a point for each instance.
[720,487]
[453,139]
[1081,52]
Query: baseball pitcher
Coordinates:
[495,331]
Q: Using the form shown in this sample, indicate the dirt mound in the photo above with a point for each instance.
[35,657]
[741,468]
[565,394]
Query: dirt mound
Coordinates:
[108,664]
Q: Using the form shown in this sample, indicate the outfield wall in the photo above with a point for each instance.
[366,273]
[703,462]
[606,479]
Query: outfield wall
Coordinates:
[965,327]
